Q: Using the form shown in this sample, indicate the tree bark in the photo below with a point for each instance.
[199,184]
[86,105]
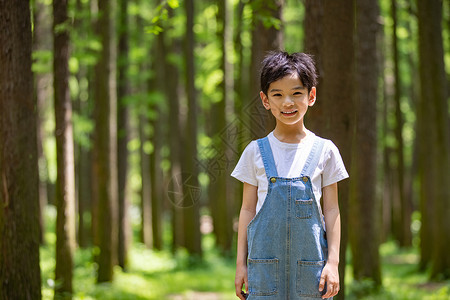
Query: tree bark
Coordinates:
[123,90]
[313,42]
[19,179]
[105,152]
[65,181]
[403,231]
[364,206]
[264,39]
[338,62]
[191,186]
[42,41]
[434,137]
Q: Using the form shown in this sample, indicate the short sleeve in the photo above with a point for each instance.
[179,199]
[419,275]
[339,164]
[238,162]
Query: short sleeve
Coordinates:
[334,169]
[245,170]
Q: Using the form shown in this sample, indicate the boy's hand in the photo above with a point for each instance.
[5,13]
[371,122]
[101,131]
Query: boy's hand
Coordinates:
[330,275]
[241,279]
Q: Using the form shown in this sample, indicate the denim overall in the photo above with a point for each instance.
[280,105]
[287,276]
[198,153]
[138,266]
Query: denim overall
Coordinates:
[287,247]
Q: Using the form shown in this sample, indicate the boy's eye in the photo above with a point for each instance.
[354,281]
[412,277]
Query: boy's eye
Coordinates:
[276,95]
[297,94]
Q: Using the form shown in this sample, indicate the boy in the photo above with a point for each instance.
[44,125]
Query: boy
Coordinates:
[288,249]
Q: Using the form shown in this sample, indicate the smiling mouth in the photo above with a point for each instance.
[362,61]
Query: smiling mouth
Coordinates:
[289,113]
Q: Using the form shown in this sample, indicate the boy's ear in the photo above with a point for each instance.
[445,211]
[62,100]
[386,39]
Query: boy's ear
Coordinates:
[265,100]
[312,96]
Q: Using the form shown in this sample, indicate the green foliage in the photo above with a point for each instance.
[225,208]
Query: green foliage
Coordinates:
[161,15]
[42,61]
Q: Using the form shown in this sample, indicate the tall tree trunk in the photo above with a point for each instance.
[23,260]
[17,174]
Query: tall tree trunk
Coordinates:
[172,88]
[404,225]
[338,62]
[158,141]
[313,45]
[364,208]
[264,39]
[65,180]
[42,42]
[105,147]
[190,171]
[221,187]
[19,179]
[435,138]
[146,187]
[123,90]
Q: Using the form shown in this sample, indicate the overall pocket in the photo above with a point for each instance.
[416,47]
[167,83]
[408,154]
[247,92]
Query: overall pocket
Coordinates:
[263,276]
[303,208]
[308,278]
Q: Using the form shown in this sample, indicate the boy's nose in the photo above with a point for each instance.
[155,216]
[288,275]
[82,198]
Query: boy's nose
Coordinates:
[288,101]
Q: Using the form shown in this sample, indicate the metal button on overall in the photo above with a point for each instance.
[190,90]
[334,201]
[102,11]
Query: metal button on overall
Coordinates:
[273,179]
[305,179]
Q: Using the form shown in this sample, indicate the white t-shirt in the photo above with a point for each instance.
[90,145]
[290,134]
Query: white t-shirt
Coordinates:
[289,160]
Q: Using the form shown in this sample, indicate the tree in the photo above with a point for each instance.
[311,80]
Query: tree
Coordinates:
[266,37]
[105,151]
[191,216]
[19,180]
[337,61]
[123,90]
[65,181]
[403,228]
[434,140]
[364,208]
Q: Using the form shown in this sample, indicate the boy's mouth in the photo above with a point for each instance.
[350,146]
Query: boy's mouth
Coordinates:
[289,113]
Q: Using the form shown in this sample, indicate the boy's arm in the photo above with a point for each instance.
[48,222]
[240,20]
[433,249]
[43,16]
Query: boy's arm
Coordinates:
[248,211]
[330,273]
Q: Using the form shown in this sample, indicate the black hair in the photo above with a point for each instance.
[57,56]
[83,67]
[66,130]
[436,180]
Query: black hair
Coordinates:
[278,64]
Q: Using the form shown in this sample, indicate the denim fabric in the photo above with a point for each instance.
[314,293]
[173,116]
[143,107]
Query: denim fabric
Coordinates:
[287,247]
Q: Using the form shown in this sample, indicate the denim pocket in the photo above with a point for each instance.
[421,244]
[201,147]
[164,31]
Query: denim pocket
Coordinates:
[303,208]
[263,276]
[308,278]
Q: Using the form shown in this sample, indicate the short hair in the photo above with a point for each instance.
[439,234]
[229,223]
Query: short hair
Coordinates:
[278,64]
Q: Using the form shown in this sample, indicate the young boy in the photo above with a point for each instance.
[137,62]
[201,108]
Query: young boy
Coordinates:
[288,249]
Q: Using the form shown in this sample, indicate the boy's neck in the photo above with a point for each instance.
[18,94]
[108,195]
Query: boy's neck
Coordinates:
[290,134]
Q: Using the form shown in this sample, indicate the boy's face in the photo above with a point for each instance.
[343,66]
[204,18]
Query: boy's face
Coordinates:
[288,99]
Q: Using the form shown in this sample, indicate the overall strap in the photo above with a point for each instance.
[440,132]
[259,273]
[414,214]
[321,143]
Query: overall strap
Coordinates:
[313,159]
[267,157]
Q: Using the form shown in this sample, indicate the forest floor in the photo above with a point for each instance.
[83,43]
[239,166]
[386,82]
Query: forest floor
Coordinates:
[160,275]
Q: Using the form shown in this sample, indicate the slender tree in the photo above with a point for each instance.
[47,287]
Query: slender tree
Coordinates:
[365,216]
[42,41]
[190,184]
[265,38]
[337,61]
[123,90]
[19,179]
[65,180]
[434,135]
[403,230]
[105,150]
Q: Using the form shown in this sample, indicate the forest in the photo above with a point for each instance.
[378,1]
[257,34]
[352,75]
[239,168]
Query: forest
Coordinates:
[122,120]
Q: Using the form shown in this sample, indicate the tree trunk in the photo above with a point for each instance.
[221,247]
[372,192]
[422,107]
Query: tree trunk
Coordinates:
[404,229]
[19,179]
[65,181]
[364,207]
[42,90]
[123,90]
[338,62]
[175,190]
[264,39]
[221,188]
[435,137]
[315,118]
[146,187]
[105,147]
[158,141]
[191,186]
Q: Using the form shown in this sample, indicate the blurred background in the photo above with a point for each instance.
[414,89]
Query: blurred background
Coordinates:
[144,107]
